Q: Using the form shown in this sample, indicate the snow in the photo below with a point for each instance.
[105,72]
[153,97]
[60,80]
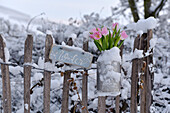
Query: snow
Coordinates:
[71,47]
[7,55]
[15,70]
[101,93]
[58,111]
[49,32]
[109,73]
[21,110]
[143,25]
[1,60]
[37,76]
[50,66]
[140,32]
[137,54]
[111,55]
[126,88]
[73,36]
[26,106]
[93,104]
[86,36]
[41,62]
[56,83]
[153,42]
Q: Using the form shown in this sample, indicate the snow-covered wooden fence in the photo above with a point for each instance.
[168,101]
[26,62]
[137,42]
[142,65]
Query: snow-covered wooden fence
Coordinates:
[47,78]
[138,66]
[142,75]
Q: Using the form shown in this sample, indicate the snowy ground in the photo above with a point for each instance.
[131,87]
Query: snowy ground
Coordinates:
[15,34]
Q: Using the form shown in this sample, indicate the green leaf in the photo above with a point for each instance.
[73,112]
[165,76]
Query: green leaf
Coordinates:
[109,40]
[104,45]
[120,44]
[117,34]
[113,37]
[98,45]
[117,38]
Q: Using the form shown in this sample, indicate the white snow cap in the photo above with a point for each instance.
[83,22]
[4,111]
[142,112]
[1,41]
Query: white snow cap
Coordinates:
[112,55]
[143,24]
[137,54]
[49,32]
[73,36]
[153,42]
[7,55]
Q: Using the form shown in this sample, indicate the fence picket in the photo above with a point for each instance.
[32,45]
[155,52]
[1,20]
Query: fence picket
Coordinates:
[85,83]
[101,104]
[27,72]
[47,75]
[101,99]
[117,102]
[65,95]
[5,79]
[134,78]
[147,77]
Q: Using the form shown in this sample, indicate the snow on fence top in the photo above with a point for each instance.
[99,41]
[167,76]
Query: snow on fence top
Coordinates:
[143,25]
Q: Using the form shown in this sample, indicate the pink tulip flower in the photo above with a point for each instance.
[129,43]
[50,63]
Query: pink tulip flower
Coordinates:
[104,31]
[97,35]
[114,25]
[123,35]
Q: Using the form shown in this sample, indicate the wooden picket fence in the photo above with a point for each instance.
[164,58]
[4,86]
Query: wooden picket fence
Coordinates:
[138,66]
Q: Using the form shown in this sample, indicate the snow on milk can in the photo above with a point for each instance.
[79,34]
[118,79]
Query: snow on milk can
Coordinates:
[108,73]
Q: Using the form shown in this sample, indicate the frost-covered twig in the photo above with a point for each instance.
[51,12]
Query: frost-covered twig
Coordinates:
[74,87]
[33,19]
[37,84]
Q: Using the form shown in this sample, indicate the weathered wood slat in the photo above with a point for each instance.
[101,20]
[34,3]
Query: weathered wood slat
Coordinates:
[146,96]
[85,83]
[65,95]
[101,104]
[150,74]
[117,102]
[5,80]
[27,72]
[101,99]
[47,75]
[134,78]
[142,77]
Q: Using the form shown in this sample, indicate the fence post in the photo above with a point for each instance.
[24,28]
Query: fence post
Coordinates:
[27,72]
[47,75]
[101,99]
[117,102]
[101,104]
[134,78]
[147,77]
[5,79]
[85,83]
[65,95]
[150,75]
